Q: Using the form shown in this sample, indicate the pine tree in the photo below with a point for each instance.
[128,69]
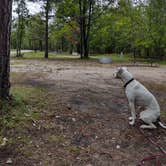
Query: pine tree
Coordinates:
[5,29]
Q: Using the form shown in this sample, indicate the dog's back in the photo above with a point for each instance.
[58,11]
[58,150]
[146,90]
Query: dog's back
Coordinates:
[143,96]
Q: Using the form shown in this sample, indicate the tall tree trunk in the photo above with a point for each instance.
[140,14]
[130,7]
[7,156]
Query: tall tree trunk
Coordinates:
[62,43]
[81,29]
[19,34]
[40,45]
[84,27]
[46,28]
[134,55]
[88,30]
[5,29]
[18,37]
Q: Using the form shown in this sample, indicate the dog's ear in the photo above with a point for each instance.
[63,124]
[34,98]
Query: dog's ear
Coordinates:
[120,71]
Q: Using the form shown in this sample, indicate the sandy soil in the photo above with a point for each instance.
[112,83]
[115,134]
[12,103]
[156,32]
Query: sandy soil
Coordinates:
[83,71]
[93,114]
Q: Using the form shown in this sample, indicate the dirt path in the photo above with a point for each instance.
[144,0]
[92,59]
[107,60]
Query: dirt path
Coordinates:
[83,71]
[86,123]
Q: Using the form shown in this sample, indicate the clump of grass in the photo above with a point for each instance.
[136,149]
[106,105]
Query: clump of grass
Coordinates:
[163,113]
[74,149]
[56,139]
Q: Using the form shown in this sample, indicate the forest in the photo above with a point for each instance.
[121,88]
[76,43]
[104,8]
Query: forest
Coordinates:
[93,27]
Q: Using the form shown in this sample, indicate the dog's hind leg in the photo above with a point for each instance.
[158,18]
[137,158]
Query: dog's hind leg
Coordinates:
[147,117]
[150,126]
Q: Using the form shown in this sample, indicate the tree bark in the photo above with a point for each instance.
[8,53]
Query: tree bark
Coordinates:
[40,45]
[46,28]
[18,37]
[85,26]
[88,30]
[5,30]
[134,56]
[81,29]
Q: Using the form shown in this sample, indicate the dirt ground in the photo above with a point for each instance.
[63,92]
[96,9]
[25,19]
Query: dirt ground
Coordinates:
[86,123]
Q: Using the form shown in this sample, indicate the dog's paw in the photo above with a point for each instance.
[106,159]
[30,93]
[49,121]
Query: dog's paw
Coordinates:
[143,126]
[130,118]
[132,122]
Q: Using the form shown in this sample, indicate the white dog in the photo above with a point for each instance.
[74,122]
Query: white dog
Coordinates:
[136,92]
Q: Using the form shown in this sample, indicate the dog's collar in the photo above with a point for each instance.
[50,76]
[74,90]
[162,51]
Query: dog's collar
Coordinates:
[128,82]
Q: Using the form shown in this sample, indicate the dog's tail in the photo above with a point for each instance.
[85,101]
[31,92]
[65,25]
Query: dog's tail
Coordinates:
[162,125]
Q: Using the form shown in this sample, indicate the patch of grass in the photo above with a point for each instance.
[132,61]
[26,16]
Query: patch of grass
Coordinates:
[16,63]
[155,86]
[56,139]
[114,57]
[16,114]
[74,149]
[163,113]
[40,55]
[163,62]
[127,58]
[31,96]
[66,56]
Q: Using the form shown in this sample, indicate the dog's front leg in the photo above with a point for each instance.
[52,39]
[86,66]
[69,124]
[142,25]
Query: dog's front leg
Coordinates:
[133,115]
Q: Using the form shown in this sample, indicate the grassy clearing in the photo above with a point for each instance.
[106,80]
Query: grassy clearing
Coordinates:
[127,58]
[40,55]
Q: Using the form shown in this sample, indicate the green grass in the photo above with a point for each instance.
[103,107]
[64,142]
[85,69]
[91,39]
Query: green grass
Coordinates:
[40,55]
[115,57]
[163,62]
[127,58]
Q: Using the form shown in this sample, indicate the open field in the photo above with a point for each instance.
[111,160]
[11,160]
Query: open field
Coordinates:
[72,112]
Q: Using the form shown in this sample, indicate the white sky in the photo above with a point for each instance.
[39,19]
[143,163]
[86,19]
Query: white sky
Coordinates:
[33,7]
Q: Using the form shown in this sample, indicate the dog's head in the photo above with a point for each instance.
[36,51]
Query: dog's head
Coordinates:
[118,73]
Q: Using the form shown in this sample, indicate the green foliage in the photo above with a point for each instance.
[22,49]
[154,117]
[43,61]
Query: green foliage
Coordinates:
[36,31]
[121,26]
[22,13]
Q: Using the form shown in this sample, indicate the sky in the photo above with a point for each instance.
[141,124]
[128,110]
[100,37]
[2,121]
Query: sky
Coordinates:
[33,7]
